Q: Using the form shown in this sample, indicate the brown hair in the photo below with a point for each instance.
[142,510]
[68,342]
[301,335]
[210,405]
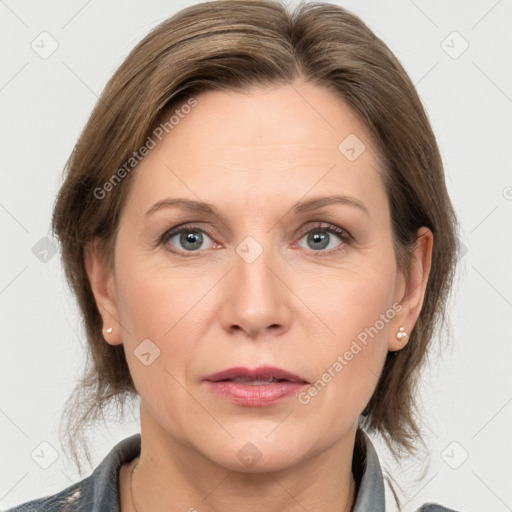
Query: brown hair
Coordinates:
[231,45]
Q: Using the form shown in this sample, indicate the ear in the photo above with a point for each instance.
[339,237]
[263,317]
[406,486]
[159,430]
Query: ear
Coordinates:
[414,289]
[101,278]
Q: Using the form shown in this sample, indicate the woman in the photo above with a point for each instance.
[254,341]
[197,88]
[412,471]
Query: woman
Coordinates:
[256,226]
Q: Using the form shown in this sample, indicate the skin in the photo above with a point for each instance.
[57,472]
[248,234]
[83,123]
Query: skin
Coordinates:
[253,155]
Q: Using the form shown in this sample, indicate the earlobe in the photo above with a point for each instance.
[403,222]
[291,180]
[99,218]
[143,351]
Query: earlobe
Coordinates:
[101,279]
[415,288]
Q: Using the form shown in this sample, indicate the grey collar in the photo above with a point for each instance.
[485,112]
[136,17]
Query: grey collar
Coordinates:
[366,469]
[101,488]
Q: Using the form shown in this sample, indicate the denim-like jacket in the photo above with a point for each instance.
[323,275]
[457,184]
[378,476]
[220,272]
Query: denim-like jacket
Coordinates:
[99,492]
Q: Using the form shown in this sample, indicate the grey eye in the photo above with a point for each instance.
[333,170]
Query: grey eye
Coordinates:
[189,239]
[320,239]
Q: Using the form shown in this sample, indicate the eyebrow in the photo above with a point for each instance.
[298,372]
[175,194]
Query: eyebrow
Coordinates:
[298,208]
[319,202]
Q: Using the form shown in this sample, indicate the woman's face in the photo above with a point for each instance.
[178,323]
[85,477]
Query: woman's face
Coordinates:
[265,281]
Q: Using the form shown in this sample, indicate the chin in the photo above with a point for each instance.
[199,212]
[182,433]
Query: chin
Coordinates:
[257,454]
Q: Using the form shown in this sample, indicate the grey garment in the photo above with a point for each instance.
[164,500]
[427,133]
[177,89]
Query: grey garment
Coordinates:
[99,492]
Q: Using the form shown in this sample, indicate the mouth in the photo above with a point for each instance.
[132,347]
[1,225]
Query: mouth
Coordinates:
[254,382]
[256,377]
[255,388]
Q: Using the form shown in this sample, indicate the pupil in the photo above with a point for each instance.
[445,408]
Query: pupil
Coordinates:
[322,238]
[192,237]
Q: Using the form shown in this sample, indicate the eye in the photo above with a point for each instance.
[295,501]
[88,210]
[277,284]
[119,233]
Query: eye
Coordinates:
[187,239]
[321,237]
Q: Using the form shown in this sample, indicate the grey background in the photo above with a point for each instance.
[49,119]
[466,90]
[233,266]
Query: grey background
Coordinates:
[44,104]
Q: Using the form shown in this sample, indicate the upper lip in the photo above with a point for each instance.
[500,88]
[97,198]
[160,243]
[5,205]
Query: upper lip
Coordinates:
[261,373]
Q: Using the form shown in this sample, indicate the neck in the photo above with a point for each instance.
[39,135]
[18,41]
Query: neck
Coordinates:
[171,472]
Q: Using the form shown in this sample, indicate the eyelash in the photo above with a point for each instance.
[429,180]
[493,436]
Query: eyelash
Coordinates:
[345,237]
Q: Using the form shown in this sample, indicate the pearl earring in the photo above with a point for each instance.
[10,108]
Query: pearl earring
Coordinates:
[109,330]
[401,333]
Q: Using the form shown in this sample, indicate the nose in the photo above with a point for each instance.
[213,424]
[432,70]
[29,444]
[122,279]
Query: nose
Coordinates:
[256,298]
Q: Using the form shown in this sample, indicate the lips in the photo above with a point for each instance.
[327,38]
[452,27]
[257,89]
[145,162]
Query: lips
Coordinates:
[261,387]
[263,375]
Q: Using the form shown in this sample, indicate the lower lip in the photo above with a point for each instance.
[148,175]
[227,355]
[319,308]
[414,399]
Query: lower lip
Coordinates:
[255,396]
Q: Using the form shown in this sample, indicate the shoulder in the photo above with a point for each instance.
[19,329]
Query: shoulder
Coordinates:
[67,499]
[434,507]
[96,493]
[367,472]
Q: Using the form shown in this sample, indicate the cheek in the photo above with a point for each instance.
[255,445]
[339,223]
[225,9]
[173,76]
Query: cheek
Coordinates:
[355,311]
[166,306]
[348,300]
[152,298]
[152,311]
[144,304]
[158,308]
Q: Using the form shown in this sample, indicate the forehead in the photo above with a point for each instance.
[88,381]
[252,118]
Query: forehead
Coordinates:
[314,118]
[274,142]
